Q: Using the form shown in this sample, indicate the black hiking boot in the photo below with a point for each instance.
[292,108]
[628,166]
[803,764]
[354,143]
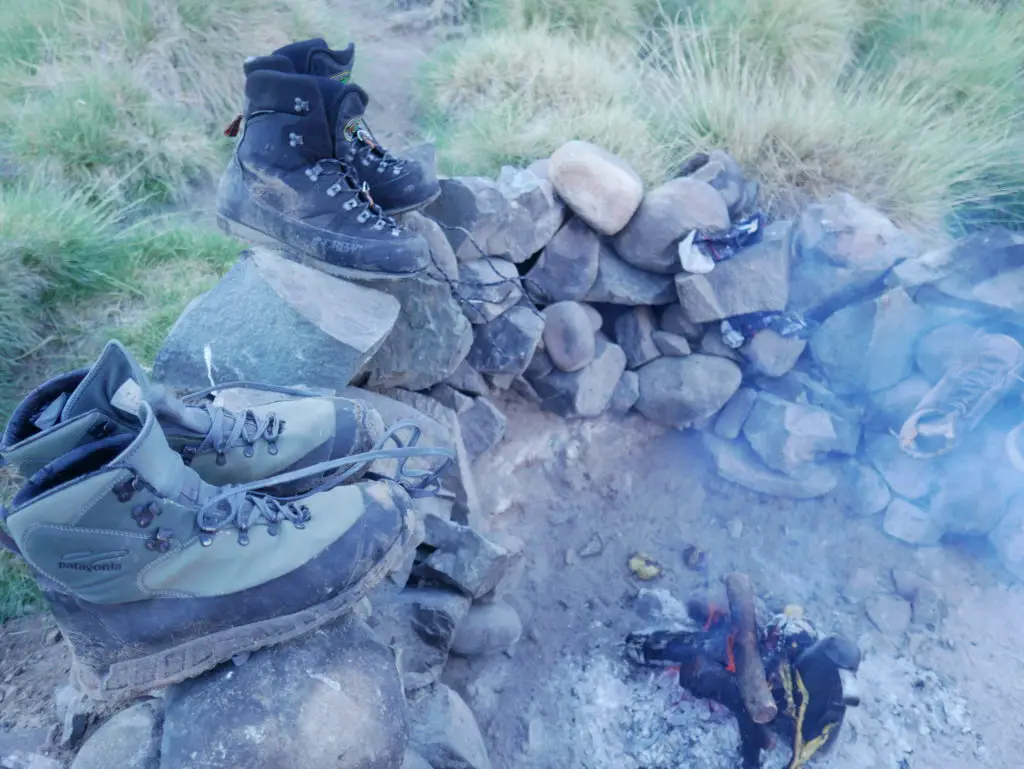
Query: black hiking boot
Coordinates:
[285,184]
[155,576]
[397,184]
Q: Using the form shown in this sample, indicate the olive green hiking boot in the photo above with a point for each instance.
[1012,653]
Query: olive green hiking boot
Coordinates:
[155,576]
[222,445]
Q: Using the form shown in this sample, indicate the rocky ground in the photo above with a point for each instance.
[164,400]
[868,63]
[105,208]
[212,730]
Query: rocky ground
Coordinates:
[587,495]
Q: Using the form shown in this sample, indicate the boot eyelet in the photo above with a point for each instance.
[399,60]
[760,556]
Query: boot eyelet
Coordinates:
[301,105]
[188,453]
[299,524]
[205,539]
[243,538]
[126,490]
[295,140]
[249,451]
[334,189]
[272,449]
[222,458]
[272,529]
[143,515]
[161,541]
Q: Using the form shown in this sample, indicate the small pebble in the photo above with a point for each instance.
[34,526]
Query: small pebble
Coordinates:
[736,529]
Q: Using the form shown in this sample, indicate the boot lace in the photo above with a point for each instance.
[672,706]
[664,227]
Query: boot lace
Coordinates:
[368,150]
[360,198]
[244,506]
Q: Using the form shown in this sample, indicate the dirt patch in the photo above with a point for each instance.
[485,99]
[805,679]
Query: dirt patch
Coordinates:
[585,496]
[35,663]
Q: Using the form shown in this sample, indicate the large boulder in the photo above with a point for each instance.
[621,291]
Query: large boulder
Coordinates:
[667,214]
[839,248]
[869,346]
[620,283]
[676,392]
[276,710]
[754,280]
[567,267]
[301,327]
[601,188]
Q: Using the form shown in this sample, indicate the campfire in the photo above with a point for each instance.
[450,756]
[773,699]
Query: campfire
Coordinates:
[782,678]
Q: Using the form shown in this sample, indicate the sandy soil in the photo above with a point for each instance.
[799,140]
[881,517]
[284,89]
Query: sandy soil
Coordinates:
[932,700]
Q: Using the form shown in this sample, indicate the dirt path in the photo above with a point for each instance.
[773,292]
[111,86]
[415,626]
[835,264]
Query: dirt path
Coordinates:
[940,700]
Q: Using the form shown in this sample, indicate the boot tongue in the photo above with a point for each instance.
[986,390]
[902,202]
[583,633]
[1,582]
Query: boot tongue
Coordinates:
[314,57]
[157,464]
[175,416]
[114,385]
[346,105]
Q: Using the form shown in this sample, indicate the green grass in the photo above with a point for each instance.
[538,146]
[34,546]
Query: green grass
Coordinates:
[915,106]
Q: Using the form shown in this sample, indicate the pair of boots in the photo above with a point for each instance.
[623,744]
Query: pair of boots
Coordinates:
[308,173]
[169,535]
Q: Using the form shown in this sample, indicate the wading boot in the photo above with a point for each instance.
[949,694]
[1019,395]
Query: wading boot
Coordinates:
[972,385]
[397,184]
[222,445]
[285,184]
[155,576]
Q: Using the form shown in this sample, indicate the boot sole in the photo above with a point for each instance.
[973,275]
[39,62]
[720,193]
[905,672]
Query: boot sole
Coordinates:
[414,206]
[124,680]
[256,237]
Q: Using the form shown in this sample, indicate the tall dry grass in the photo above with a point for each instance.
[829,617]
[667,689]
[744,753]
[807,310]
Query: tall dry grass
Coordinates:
[912,105]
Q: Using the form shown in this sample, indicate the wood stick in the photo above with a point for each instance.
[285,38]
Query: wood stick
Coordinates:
[753,684]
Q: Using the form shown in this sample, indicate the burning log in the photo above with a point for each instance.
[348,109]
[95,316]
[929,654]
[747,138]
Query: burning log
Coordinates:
[753,683]
[728,658]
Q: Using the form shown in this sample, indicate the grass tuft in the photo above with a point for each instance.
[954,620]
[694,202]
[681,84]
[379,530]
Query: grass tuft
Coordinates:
[510,96]
[915,106]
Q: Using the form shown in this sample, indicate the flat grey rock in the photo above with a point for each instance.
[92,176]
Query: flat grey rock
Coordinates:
[567,267]
[488,287]
[587,392]
[772,354]
[869,346]
[841,246]
[754,280]
[911,524]
[634,333]
[418,625]
[129,740]
[429,340]
[734,413]
[270,712]
[300,327]
[483,426]
[672,345]
[507,344]
[626,394]
[463,558]
[444,731]
[736,462]
[621,283]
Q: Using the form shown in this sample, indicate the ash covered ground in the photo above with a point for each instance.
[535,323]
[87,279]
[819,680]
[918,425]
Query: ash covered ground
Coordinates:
[585,496]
